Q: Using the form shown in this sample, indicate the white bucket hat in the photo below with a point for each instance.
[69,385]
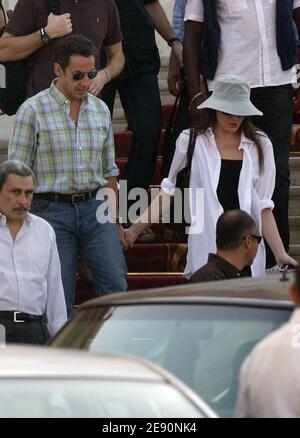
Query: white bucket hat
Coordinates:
[231,95]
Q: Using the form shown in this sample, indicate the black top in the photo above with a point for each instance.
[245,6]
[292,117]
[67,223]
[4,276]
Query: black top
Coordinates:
[140,49]
[217,268]
[227,190]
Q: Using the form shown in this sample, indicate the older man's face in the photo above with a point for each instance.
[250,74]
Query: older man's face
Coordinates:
[16,196]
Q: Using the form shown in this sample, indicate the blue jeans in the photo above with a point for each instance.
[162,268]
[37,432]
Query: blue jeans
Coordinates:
[141,101]
[79,233]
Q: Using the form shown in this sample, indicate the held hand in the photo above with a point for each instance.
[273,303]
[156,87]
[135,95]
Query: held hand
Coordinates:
[130,237]
[59,25]
[98,83]
[121,234]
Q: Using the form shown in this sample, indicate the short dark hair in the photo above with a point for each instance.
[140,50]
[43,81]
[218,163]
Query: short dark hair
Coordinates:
[232,226]
[16,168]
[73,45]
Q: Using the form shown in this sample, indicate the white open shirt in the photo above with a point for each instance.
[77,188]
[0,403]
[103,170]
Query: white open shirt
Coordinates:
[255,191]
[248,40]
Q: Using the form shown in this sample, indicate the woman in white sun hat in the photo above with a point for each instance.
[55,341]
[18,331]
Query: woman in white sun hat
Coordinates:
[233,162]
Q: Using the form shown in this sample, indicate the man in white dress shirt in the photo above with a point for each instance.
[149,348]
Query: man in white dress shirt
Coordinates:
[254,39]
[270,375]
[32,302]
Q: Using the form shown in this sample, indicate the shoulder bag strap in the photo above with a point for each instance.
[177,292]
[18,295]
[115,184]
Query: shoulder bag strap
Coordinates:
[173,112]
[191,148]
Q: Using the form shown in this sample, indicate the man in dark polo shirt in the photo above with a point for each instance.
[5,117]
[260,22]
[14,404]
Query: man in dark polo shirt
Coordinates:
[237,242]
[32,31]
[138,85]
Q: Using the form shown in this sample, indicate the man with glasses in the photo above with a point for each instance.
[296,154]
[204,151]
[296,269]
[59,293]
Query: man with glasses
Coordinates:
[237,242]
[65,134]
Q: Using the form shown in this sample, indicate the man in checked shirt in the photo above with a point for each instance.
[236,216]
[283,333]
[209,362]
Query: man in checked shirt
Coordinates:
[65,135]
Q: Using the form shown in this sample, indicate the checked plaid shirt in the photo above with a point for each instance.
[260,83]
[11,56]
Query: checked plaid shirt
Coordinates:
[65,157]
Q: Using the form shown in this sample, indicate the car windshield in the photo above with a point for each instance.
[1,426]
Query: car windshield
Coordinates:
[203,345]
[78,398]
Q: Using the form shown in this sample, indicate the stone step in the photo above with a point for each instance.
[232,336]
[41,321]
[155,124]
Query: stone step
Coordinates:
[295,251]
[295,171]
[294,222]
[294,205]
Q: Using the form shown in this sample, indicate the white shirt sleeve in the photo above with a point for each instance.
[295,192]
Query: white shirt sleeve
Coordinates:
[194,11]
[179,161]
[56,310]
[266,183]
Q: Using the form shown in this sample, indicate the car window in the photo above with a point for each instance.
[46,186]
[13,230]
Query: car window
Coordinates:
[92,398]
[203,345]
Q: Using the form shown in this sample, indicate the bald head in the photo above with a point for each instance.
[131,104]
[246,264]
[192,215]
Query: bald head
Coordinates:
[232,227]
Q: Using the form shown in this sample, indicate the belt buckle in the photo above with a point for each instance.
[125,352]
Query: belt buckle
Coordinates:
[15,317]
[77,198]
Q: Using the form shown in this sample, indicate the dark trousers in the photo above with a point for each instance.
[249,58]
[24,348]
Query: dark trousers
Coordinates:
[277,105]
[140,99]
[181,121]
[34,332]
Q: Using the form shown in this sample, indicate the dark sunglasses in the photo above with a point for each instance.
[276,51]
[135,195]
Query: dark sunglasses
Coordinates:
[258,238]
[80,75]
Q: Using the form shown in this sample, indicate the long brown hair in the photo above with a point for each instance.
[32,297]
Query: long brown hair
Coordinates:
[207,118]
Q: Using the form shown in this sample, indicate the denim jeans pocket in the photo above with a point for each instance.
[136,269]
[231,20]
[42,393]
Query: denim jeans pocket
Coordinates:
[39,205]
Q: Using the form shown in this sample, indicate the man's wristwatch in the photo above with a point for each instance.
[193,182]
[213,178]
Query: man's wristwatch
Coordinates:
[44,36]
[172,40]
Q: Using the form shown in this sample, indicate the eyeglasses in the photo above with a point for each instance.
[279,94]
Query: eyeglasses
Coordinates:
[80,75]
[258,238]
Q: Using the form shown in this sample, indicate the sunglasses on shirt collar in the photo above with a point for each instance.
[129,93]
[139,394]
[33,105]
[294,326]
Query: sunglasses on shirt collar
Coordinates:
[80,75]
